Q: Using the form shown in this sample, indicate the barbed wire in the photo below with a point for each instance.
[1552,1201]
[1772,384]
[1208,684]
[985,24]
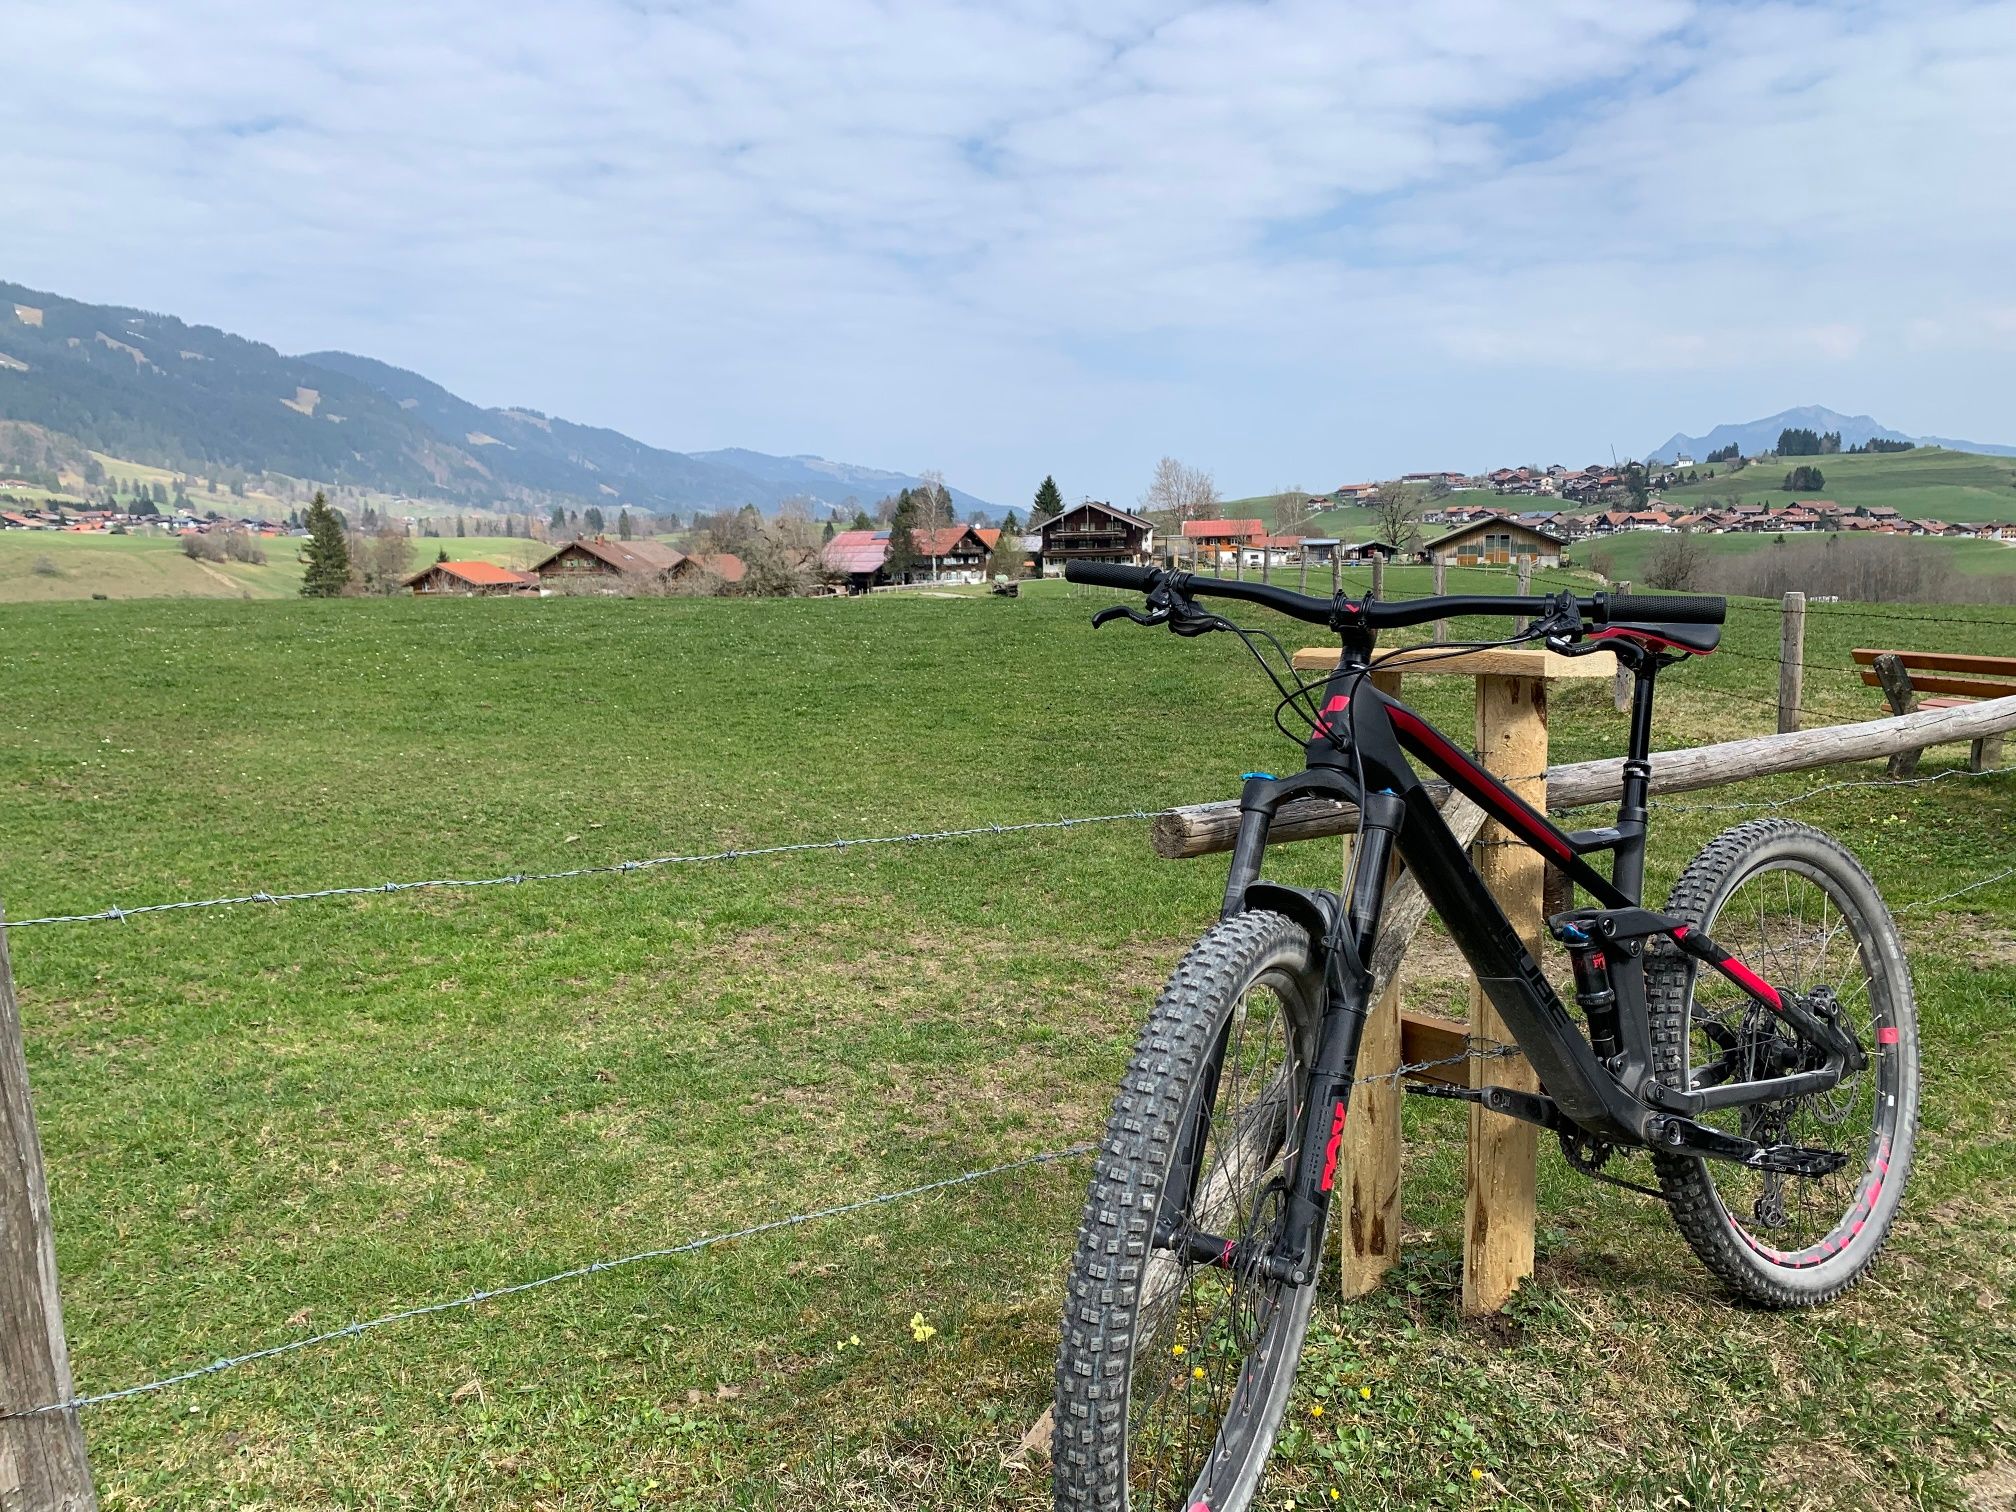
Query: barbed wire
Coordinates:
[579,1272]
[1829,787]
[616,868]
[1957,892]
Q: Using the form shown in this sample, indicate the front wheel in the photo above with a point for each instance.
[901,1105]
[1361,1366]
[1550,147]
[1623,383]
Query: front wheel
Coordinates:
[1798,908]
[1173,1374]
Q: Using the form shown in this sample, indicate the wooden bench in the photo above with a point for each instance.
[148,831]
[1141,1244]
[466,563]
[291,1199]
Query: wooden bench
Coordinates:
[1955,679]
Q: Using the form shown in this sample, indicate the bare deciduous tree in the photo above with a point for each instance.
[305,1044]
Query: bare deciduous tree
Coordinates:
[1398,513]
[1184,493]
[1291,508]
[1677,562]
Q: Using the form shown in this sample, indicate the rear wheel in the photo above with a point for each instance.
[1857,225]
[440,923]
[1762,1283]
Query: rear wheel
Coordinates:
[1797,907]
[1173,1374]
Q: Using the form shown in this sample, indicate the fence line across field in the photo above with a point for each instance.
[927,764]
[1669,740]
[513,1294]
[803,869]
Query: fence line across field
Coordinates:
[1475,1050]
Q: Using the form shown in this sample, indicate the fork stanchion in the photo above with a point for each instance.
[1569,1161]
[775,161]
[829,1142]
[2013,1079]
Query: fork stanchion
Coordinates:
[1370,1222]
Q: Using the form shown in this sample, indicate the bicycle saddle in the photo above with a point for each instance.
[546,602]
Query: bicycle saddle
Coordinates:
[1698,640]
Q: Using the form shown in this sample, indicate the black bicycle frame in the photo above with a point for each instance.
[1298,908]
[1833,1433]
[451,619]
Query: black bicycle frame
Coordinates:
[1358,755]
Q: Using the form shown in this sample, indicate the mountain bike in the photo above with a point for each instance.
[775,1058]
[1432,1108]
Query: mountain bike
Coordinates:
[1777,1097]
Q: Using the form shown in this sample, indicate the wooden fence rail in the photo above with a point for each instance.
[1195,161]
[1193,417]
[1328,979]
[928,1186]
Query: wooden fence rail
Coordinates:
[1206,828]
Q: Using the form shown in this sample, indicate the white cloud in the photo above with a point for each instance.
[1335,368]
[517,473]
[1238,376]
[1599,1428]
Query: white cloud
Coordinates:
[1282,239]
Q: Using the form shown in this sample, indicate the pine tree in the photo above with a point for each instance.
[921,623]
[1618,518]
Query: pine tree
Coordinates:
[902,558]
[328,556]
[623,525]
[1010,525]
[1049,503]
[558,521]
[862,521]
[592,518]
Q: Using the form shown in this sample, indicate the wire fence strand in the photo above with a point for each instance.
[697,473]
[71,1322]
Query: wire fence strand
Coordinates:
[579,1272]
[616,868]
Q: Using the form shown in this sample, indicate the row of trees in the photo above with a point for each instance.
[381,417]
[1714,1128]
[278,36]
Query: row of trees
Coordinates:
[1803,441]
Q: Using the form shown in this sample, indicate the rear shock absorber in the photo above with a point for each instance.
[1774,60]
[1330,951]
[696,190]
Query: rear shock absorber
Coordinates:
[1598,999]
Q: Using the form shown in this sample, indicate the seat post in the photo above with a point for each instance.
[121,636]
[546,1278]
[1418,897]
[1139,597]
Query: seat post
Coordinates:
[1629,871]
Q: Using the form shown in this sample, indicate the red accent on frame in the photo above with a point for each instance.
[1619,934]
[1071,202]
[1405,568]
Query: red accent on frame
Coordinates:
[1680,933]
[1620,632]
[1492,795]
[1338,703]
[1330,1150]
[1754,982]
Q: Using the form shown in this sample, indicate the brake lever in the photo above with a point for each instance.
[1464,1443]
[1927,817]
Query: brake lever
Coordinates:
[1118,611]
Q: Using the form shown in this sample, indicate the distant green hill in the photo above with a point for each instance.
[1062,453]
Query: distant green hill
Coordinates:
[1928,483]
[198,400]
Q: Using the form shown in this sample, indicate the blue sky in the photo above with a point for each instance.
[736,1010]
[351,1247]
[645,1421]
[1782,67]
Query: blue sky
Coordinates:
[1289,241]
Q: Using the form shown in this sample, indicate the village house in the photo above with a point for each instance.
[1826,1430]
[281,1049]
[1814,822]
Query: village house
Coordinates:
[1096,532]
[1498,541]
[858,558]
[586,558]
[1215,540]
[952,554]
[1356,493]
[469,580]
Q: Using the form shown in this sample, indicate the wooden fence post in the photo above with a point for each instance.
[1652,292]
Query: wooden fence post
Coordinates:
[1896,684]
[1525,587]
[1791,660]
[1336,575]
[1378,575]
[1500,1181]
[1302,582]
[1620,690]
[1371,1218]
[42,1464]
[1441,578]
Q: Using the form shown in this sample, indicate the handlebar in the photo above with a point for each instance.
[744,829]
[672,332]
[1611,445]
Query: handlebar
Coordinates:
[1374,614]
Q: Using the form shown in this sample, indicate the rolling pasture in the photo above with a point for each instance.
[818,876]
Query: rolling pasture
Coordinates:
[263,1122]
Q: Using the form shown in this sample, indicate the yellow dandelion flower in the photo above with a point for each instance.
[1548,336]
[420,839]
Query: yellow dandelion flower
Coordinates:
[1196,1372]
[1317,1410]
[1176,1350]
[1476,1474]
[853,1341]
[1365,1392]
[1335,1494]
[919,1329]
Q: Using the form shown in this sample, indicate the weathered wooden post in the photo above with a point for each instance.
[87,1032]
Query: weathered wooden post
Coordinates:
[1370,1222]
[1302,581]
[42,1464]
[1336,576]
[1501,1174]
[1896,685]
[1502,1153]
[1525,587]
[1791,660]
[1266,564]
[1378,575]
[1620,690]
[1239,561]
[1441,578]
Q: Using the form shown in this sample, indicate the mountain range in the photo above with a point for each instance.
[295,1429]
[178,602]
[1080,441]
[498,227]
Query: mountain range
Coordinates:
[1755,436]
[150,388]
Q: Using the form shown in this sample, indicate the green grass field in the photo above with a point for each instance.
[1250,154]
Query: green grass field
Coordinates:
[54,566]
[1631,551]
[1928,483]
[267,1121]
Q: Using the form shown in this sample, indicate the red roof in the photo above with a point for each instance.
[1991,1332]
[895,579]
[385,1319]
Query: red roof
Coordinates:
[940,543]
[990,535]
[477,574]
[856,551]
[723,564]
[1212,529]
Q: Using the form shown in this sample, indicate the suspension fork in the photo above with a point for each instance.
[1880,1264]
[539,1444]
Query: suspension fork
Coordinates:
[1347,992]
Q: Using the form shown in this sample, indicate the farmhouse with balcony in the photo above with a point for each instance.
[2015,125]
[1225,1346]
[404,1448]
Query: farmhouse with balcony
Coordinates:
[586,558]
[1495,542]
[858,558]
[469,580]
[952,554]
[1096,532]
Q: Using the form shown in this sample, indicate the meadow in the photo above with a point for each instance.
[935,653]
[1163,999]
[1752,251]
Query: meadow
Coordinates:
[266,1121]
[1928,482]
[41,567]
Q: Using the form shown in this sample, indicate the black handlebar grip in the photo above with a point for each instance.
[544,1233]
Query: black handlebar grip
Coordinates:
[1111,575]
[1665,608]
